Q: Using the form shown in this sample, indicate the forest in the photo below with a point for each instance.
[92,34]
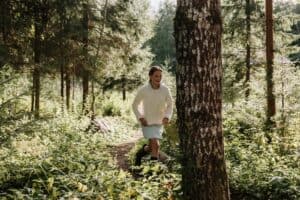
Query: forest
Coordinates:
[70,70]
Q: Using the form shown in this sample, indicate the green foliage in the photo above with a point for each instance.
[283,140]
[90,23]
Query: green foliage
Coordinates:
[260,165]
[258,170]
[13,90]
[111,109]
[161,180]
[55,158]
[295,29]
[163,43]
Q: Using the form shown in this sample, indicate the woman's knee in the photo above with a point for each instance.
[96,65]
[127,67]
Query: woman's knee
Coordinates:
[154,143]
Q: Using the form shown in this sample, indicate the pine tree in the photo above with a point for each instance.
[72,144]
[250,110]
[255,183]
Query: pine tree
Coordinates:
[199,102]
[271,106]
[162,43]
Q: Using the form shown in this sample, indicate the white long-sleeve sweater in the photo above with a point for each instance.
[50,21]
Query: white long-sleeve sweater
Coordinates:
[153,104]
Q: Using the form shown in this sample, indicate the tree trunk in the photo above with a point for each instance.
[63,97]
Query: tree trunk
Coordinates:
[271,108]
[248,47]
[85,71]
[36,70]
[97,54]
[37,88]
[85,92]
[5,20]
[198,28]
[124,87]
[73,87]
[62,19]
[32,93]
[93,100]
[62,87]
[68,88]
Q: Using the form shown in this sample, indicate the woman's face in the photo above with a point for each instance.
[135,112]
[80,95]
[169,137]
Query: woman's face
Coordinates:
[156,78]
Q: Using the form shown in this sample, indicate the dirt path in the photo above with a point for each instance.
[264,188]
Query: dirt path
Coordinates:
[121,150]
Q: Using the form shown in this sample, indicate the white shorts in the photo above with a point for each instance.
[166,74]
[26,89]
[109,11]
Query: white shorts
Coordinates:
[152,131]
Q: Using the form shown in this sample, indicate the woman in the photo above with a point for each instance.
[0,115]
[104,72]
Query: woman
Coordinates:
[153,108]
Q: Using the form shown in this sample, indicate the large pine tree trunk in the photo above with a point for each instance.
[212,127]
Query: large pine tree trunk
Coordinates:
[271,107]
[199,102]
[248,47]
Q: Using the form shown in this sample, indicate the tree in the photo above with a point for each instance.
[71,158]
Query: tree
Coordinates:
[41,15]
[271,106]
[198,27]
[243,40]
[123,52]
[85,73]
[162,43]
[295,56]
[248,11]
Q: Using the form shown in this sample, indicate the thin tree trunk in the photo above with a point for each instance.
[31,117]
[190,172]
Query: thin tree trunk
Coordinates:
[248,48]
[271,107]
[62,86]
[85,71]
[36,70]
[124,87]
[62,16]
[199,102]
[97,54]
[5,19]
[37,89]
[73,87]
[68,88]
[93,101]
[32,93]
[85,91]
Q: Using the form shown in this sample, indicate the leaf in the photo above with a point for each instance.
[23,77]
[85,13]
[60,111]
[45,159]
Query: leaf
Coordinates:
[50,183]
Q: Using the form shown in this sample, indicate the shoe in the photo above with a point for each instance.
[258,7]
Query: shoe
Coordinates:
[153,158]
[140,154]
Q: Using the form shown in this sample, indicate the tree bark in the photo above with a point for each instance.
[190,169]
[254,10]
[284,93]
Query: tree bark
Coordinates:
[68,88]
[32,93]
[85,71]
[248,47]
[271,107]
[124,87]
[85,92]
[62,61]
[198,28]
[62,85]
[73,88]
[5,19]
[37,60]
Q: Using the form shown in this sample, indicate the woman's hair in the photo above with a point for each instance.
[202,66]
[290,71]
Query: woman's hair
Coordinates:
[154,69]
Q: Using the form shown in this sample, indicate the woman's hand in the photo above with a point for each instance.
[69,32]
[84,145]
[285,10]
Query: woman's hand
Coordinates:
[165,121]
[143,121]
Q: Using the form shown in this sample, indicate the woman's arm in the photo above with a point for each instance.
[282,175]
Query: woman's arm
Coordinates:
[169,109]
[135,105]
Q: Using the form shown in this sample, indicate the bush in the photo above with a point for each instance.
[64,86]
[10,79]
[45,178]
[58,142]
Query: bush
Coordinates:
[110,109]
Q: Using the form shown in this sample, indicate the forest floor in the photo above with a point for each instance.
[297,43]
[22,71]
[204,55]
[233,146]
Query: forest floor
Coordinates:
[120,151]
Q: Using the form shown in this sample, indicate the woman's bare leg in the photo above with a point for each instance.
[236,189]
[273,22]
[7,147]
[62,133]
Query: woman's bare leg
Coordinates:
[154,147]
